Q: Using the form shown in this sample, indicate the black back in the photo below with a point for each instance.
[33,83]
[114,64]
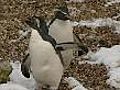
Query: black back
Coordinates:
[40,25]
[24,69]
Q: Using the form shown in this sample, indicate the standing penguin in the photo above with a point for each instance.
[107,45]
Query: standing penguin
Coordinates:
[61,29]
[45,64]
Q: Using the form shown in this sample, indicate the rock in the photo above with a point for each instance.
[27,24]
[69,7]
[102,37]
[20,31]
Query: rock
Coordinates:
[5,70]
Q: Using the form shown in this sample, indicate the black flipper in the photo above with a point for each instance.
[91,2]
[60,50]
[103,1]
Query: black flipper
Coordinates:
[59,48]
[25,69]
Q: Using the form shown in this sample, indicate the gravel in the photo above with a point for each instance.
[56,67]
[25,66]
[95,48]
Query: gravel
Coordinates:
[13,13]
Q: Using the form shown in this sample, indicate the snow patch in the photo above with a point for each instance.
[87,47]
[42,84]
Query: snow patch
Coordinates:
[74,84]
[11,86]
[101,22]
[111,58]
[89,62]
[17,77]
[114,79]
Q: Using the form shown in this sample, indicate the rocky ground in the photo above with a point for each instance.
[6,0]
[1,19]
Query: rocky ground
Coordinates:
[14,12]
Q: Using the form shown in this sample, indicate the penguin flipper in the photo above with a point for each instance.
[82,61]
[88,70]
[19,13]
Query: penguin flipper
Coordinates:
[25,71]
[25,66]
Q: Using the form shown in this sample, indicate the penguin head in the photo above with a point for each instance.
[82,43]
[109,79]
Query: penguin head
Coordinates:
[62,13]
[38,23]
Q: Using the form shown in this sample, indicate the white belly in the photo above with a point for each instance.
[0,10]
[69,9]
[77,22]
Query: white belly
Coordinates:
[62,31]
[45,63]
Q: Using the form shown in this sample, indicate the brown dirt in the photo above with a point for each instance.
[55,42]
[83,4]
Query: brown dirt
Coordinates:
[14,12]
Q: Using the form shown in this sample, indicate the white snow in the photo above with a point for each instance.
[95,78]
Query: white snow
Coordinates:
[89,62]
[89,56]
[11,86]
[111,58]
[114,79]
[100,22]
[17,77]
[96,22]
[74,84]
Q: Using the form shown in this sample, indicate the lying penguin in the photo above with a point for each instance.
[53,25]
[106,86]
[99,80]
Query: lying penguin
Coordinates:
[61,29]
[44,62]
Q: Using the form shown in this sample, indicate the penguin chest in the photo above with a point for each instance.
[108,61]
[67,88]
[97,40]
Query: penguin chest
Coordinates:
[62,31]
[39,53]
[45,63]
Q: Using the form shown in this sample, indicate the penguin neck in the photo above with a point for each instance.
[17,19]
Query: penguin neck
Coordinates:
[63,26]
[61,21]
[35,36]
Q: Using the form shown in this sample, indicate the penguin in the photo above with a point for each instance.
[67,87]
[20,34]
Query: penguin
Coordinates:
[45,64]
[25,66]
[61,29]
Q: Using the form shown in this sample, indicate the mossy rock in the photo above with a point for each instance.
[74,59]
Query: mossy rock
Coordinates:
[5,70]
